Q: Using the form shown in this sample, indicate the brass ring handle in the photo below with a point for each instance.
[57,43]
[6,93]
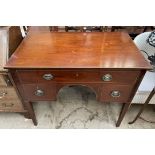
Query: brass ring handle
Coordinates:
[107,77]
[115,93]
[39,92]
[48,76]
[2,94]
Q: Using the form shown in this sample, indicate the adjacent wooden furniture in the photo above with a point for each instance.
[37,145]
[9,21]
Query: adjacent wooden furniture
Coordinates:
[108,63]
[84,28]
[9,101]
[10,38]
[53,28]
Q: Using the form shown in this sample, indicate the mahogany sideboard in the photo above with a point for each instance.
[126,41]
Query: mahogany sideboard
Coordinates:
[109,63]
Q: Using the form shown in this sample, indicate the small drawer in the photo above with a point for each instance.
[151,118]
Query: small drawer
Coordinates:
[11,105]
[115,93]
[9,100]
[39,92]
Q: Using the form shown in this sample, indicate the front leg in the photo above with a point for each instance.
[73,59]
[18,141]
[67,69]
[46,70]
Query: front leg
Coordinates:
[122,113]
[30,114]
[26,115]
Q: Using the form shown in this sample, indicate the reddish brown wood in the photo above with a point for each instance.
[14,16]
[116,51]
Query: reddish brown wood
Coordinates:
[26,115]
[30,113]
[69,75]
[77,50]
[124,109]
[15,38]
[77,75]
[77,59]
[48,90]
[107,89]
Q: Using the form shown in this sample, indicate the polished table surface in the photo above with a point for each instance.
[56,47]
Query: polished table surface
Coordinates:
[77,50]
[109,63]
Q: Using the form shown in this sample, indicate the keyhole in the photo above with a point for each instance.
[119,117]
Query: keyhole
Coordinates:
[77,74]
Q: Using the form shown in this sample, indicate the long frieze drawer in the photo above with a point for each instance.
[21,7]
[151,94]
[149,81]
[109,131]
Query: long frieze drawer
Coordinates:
[9,100]
[115,93]
[123,77]
[39,92]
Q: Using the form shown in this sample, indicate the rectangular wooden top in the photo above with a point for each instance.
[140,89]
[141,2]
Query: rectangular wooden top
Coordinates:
[77,50]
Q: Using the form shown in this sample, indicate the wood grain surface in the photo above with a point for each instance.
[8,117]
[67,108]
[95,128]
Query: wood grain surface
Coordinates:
[77,50]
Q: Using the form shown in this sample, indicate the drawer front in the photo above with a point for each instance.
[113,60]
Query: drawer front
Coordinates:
[115,93]
[120,77]
[9,100]
[39,92]
[42,76]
